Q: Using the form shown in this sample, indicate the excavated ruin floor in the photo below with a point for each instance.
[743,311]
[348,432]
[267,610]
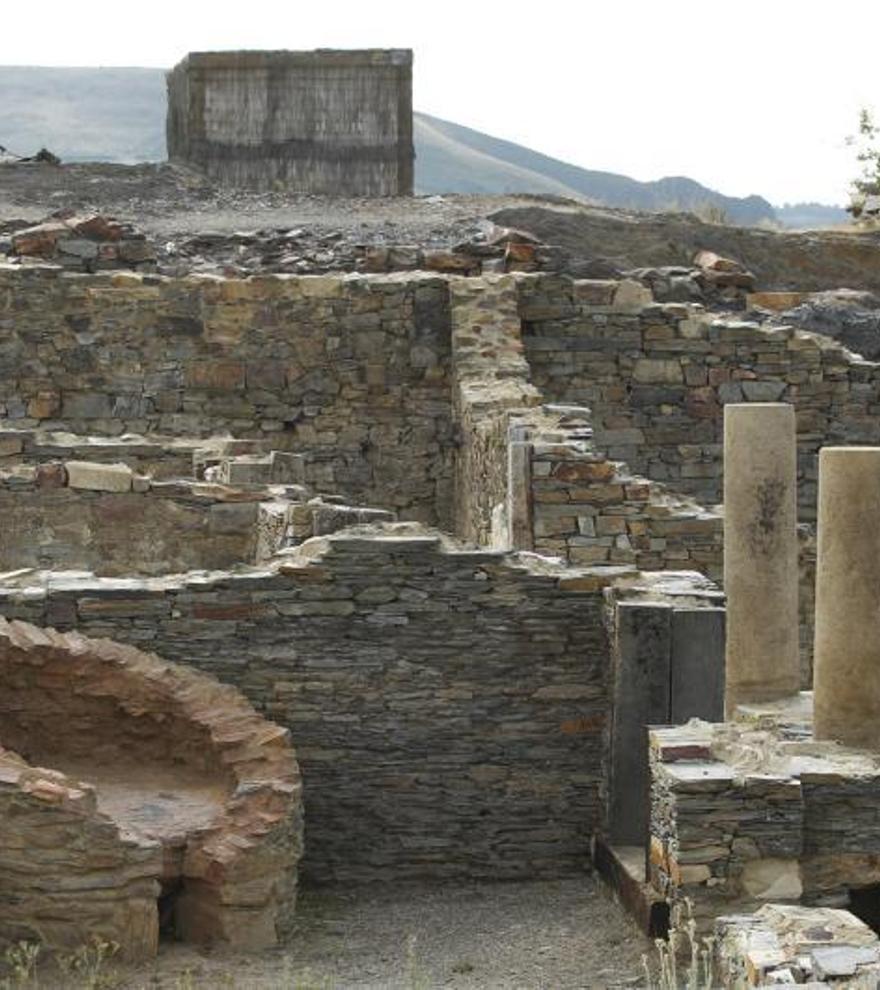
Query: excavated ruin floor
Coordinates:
[551,935]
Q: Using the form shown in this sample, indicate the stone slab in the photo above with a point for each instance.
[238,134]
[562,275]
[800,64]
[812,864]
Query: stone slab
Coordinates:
[89,476]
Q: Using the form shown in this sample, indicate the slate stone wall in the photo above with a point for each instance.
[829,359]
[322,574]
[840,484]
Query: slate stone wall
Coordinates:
[490,386]
[104,713]
[352,372]
[448,707]
[737,819]
[657,378]
[590,509]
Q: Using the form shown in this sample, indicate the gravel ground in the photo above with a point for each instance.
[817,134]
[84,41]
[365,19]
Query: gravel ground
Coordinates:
[551,935]
[166,200]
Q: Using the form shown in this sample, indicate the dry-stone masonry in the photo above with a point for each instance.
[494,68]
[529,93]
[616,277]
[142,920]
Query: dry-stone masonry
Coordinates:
[658,376]
[758,811]
[450,717]
[462,709]
[350,372]
[782,944]
[103,517]
[167,793]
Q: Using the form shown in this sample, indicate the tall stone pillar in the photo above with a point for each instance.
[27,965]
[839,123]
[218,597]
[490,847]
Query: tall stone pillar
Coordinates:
[762,661]
[847,645]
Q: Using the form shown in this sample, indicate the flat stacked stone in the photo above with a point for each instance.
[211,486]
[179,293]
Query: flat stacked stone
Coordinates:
[782,944]
[124,719]
[757,810]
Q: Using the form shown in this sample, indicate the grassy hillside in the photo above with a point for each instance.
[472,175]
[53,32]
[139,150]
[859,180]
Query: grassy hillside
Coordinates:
[118,115]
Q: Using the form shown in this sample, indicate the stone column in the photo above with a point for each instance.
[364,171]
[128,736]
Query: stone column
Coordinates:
[519,489]
[762,660]
[847,641]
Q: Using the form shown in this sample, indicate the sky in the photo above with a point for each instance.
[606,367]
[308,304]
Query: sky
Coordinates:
[752,97]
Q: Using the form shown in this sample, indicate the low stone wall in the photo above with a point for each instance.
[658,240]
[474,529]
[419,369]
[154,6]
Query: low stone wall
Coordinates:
[450,706]
[103,518]
[592,510]
[225,847]
[351,372]
[106,519]
[158,457]
[755,811]
[657,378]
[781,944]
[557,493]
[96,878]
[354,374]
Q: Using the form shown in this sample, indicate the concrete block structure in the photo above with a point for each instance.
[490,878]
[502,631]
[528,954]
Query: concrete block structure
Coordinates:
[328,122]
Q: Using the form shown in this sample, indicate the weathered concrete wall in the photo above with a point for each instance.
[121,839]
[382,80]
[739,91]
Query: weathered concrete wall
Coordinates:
[332,122]
[351,372]
[449,707]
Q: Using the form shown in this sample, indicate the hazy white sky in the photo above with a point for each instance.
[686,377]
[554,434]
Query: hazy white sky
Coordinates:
[751,97]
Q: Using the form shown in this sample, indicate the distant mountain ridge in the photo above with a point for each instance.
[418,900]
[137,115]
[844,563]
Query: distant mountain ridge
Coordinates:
[118,115]
[477,162]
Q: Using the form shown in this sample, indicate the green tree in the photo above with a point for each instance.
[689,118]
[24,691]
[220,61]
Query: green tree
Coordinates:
[867,145]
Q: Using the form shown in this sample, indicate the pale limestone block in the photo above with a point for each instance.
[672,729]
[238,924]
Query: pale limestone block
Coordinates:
[99,477]
[631,295]
[773,879]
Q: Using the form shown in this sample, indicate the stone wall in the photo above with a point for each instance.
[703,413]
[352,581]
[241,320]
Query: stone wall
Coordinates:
[557,493]
[351,372]
[331,122]
[787,944]
[449,706]
[757,810]
[657,378]
[159,457]
[589,509]
[95,879]
[727,841]
[491,385]
[101,517]
[124,728]
[72,515]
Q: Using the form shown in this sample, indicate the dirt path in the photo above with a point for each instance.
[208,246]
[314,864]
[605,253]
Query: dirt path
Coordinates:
[551,935]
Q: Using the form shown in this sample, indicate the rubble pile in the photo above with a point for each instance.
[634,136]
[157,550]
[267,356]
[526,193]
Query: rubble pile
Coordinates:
[715,281]
[301,251]
[87,242]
